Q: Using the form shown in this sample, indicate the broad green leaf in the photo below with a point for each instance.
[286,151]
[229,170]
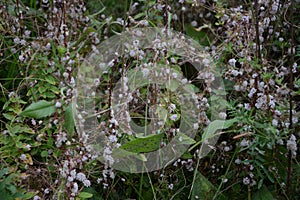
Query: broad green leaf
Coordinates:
[85,195]
[144,144]
[263,194]
[216,125]
[69,122]
[213,127]
[39,109]
[203,188]
[121,153]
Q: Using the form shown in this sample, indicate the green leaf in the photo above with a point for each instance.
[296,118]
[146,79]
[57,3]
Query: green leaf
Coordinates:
[29,195]
[186,155]
[213,127]
[9,116]
[39,109]
[42,89]
[61,49]
[44,153]
[69,123]
[203,188]
[19,129]
[50,79]
[217,125]
[144,144]
[184,139]
[263,194]
[3,172]
[85,195]
[173,85]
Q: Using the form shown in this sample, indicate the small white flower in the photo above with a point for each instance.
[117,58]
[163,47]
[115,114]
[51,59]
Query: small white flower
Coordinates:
[222,115]
[21,57]
[46,191]
[172,107]
[33,122]
[144,22]
[244,143]
[75,188]
[180,139]
[36,197]
[173,60]
[17,40]
[58,104]
[145,72]
[246,181]
[196,126]
[194,23]
[66,74]
[132,53]
[22,42]
[99,180]
[86,183]
[232,62]
[96,82]
[171,186]
[70,178]
[235,72]
[113,138]
[81,176]
[247,106]
[237,161]
[292,145]
[275,122]
[27,32]
[173,117]
[73,173]
[184,81]
[23,157]
[252,91]
[226,148]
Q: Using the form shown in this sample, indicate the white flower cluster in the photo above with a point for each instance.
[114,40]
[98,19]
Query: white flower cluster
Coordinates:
[292,145]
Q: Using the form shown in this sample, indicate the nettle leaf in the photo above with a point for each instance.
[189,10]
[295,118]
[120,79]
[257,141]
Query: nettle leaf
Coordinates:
[39,109]
[144,144]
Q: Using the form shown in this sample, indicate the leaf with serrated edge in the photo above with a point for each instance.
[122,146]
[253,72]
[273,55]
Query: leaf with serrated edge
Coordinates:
[39,109]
